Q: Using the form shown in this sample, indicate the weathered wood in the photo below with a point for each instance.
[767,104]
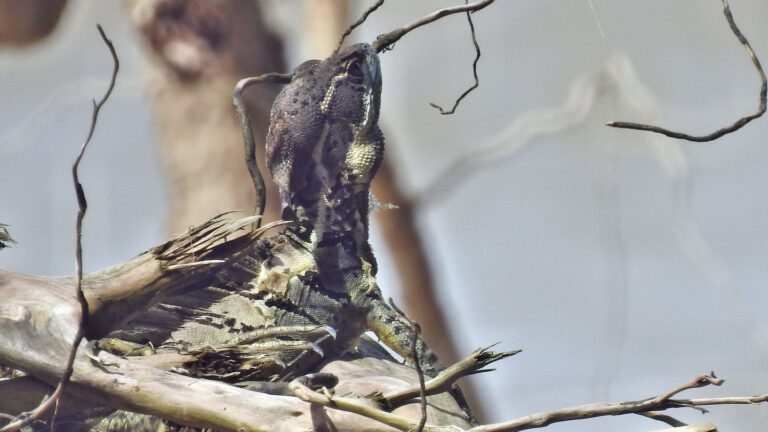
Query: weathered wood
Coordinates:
[39,317]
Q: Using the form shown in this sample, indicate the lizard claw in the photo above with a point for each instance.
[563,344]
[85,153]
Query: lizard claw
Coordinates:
[316,348]
[331,331]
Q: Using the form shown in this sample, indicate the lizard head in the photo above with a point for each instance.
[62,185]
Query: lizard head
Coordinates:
[324,129]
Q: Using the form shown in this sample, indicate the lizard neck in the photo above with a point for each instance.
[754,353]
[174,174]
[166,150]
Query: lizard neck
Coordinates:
[330,218]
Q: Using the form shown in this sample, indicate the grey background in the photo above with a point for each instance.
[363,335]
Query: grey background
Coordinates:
[624,264]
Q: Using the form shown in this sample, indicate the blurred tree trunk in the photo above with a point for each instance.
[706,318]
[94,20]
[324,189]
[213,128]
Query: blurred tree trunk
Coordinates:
[23,22]
[198,51]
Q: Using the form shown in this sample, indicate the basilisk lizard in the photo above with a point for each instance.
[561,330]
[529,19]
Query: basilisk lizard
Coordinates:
[308,293]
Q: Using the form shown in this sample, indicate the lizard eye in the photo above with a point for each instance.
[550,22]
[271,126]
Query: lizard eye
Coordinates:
[355,72]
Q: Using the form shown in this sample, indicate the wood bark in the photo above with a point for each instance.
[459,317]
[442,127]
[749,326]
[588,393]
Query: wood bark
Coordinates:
[39,318]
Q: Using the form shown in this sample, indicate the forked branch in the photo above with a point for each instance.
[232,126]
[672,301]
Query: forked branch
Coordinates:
[385,41]
[581,412]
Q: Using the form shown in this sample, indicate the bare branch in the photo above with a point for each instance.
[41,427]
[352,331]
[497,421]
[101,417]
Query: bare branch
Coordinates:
[735,400]
[250,142]
[384,41]
[446,378]
[357,23]
[47,404]
[605,409]
[474,71]
[699,381]
[728,129]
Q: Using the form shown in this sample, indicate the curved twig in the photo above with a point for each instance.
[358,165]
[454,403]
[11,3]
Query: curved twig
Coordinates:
[699,381]
[474,71]
[250,143]
[50,402]
[357,23]
[384,41]
[728,129]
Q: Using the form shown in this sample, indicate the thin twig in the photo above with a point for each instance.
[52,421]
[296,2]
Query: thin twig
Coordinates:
[384,41]
[728,129]
[28,418]
[250,143]
[416,364]
[474,70]
[732,400]
[699,381]
[357,23]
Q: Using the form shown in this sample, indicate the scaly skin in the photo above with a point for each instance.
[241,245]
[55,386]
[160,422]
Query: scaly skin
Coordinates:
[306,294]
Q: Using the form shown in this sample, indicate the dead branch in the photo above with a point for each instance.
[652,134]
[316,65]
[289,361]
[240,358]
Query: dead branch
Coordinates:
[699,381]
[728,129]
[662,402]
[474,71]
[385,41]
[47,404]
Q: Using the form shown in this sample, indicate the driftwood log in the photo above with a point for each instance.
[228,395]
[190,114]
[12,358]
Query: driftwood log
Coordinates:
[39,318]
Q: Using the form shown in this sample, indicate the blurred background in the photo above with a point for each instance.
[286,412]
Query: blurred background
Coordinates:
[623,263]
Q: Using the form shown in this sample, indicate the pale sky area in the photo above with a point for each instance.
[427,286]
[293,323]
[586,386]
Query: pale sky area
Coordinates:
[623,263]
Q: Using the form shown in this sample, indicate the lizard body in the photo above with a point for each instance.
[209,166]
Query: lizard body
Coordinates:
[308,293]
